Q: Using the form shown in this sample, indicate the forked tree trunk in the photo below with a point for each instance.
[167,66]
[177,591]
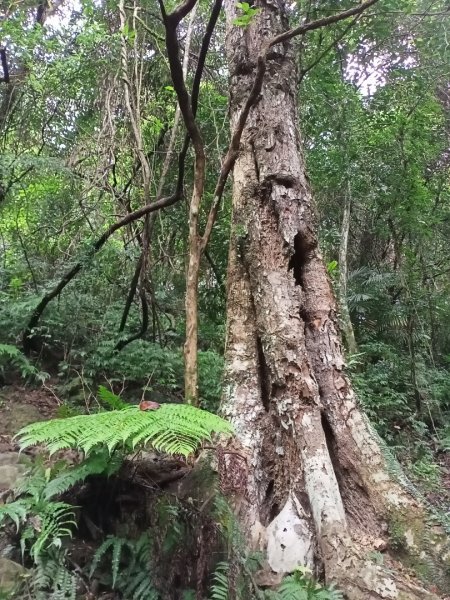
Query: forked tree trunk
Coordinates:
[316,489]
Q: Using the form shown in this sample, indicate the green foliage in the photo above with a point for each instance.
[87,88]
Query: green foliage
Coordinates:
[301,586]
[172,428]
[99,462]
[113,401]
[129,566]
[45,523]
[116,546]
[332,267]
[247,14]
[383,387]
[374,113]
[43,520]
[210,368]
[52,580]
[219,586]
[444,439]
[426,472]
[137,362]
[12,358]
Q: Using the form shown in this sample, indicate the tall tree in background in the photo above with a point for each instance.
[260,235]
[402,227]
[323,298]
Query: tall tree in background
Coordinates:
[317,488]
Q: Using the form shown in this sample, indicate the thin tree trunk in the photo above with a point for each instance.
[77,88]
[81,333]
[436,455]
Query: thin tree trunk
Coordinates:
[316,489]
[171,22]
[346,323]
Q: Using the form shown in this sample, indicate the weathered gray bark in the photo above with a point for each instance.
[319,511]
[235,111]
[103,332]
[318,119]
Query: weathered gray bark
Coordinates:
[317,491]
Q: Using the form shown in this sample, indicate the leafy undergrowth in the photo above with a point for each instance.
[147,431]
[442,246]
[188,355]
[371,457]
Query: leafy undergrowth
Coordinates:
[105,517]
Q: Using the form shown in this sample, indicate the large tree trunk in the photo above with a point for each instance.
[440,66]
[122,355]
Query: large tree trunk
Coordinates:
[316,490]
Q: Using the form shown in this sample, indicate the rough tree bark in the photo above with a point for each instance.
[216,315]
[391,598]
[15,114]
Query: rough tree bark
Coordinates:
[346,322]
[317,488]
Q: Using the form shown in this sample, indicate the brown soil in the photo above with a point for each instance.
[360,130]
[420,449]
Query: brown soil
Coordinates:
[21,405]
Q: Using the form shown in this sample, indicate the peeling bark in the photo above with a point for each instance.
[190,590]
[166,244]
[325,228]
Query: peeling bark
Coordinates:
[318,491]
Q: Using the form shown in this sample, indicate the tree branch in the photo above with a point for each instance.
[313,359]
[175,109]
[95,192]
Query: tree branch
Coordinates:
[315,62]
[233,149]
[5,78]
[131,293]
[318,23]
[144,210]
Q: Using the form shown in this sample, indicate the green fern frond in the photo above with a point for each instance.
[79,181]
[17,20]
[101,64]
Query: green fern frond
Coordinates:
[140,588]
[52,580]
[16,511]
[301,586]
[135,581]
[172,428]
[33,483]
[95,464]
[56,520]
[329,593]
[293,588]
[115,544]
[112,400]
[219,587]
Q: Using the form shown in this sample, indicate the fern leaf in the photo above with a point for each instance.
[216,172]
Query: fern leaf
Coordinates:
[101,551]
[293,588]
[109,398]
[145,590]
[57,521]
[333,593]
[16,511]
[116,554]
[173,428]
[95,464]
[219,587]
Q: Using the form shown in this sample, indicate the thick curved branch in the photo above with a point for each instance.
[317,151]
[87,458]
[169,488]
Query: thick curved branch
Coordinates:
[144,210]
[318,23]
[233,149]
[176,71]
[328,49]
[67,278]
[179,12]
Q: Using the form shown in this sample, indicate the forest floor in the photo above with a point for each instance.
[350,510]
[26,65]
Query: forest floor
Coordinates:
[21,405]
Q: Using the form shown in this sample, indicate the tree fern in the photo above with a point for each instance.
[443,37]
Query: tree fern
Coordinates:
[173,428]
